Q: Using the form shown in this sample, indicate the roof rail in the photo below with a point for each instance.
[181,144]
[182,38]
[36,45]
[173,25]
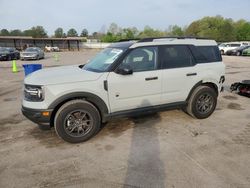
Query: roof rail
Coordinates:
[127,40]
[169,37]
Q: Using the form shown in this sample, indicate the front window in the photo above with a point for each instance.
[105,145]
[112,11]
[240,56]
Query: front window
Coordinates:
[103,60]
[142,59]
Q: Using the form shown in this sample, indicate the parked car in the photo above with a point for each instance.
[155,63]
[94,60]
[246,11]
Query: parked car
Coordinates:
[126,79]
[224,47]
[33,53]
[9,53]
[246,52]
[51,48]
[237,51]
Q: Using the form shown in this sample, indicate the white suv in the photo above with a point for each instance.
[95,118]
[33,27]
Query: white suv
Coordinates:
[126,79]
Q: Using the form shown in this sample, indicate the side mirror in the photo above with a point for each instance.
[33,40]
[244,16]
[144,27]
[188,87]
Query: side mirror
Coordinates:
[124,70]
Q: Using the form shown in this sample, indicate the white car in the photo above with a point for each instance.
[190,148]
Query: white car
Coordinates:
[224,47]
[51,48]
[126,79]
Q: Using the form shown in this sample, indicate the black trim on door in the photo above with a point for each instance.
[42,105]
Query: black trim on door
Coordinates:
[146,110]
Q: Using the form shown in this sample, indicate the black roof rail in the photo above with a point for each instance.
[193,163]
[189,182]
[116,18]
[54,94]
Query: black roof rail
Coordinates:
[127,40]
[169,37]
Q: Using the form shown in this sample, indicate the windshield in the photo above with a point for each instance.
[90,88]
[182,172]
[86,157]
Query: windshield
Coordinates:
[102,61]
[4,50]
[31,50]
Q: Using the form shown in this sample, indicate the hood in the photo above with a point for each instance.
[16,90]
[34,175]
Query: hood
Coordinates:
[60,75]
[29,53]
[4,53]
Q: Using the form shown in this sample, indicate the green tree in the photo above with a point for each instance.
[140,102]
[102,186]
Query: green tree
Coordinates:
[59,32]
[84,33]
[27,32]
[39,32]
[16,32]
[175,30]
[72,33]
[217,28]
[150,32]
[113,28]
[4,32]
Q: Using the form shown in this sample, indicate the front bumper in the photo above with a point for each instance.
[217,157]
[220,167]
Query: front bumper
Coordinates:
[2,58]
[28,57]
[37,116]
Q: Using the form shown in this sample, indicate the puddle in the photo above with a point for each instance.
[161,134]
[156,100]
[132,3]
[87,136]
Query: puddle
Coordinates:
[230,97]
[47,138]
[13,119]
[234,106]
[10,99]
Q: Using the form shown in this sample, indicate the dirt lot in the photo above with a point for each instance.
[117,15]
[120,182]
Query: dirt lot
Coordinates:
[168,149]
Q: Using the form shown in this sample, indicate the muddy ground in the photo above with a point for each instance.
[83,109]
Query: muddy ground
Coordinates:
[168,149]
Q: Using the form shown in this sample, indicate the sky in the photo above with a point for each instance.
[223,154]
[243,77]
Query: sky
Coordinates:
[95,15]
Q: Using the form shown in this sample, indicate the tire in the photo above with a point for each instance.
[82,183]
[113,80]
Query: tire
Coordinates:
[9,58]
[238,54]
[202,102]
[77,121]
[37,57]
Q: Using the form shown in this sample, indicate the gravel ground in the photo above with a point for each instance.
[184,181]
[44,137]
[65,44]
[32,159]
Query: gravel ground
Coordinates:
[167,149]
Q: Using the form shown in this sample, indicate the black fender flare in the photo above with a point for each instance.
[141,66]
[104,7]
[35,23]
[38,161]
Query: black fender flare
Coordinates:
[92,98]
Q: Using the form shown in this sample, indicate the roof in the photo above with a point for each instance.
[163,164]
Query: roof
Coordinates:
[175,41]
[126,44]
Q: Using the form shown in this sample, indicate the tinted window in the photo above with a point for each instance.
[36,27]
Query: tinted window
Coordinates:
[206,54]
[142,59]
[176,56]
[234,45]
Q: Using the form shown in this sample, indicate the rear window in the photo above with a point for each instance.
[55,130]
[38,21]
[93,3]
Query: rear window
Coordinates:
[206,54]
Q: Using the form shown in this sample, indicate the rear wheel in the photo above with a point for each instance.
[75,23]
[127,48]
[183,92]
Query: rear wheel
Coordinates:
[238,54]
[202,102]
[77,121]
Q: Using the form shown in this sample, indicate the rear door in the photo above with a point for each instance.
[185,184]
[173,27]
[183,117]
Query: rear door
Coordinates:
[179,72]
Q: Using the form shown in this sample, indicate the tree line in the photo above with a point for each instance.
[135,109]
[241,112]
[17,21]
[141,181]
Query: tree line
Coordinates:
[217,28]
[40,32]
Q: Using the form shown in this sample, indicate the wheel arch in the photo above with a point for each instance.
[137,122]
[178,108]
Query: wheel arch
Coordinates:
[90,97]
[203,83]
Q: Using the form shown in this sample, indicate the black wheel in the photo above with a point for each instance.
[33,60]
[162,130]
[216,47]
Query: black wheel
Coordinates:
[77,121]
[37,57]
[238,54]
[9,58]
[202,102]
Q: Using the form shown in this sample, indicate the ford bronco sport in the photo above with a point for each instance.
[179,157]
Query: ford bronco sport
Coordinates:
[126,79]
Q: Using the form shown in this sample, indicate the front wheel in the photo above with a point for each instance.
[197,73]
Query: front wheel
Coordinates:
[77,121]
[202,102]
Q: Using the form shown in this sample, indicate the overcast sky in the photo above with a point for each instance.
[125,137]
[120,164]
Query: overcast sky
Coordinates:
[95,14]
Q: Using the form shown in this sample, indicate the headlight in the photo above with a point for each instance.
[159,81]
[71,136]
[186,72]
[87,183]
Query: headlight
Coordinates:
[33,93]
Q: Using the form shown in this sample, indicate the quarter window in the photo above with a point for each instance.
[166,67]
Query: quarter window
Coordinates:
[176,57]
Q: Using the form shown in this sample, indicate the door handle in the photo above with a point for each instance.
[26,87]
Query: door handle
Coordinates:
[151,78]
[191,74]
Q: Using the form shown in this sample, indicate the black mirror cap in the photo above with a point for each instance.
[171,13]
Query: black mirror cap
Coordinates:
[124,70]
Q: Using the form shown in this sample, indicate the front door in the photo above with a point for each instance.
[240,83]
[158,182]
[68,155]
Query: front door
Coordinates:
[140,89]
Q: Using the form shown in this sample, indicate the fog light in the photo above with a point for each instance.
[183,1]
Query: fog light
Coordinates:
[45,113]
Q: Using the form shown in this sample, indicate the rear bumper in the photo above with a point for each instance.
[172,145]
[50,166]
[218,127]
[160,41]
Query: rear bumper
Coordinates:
[37,116]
